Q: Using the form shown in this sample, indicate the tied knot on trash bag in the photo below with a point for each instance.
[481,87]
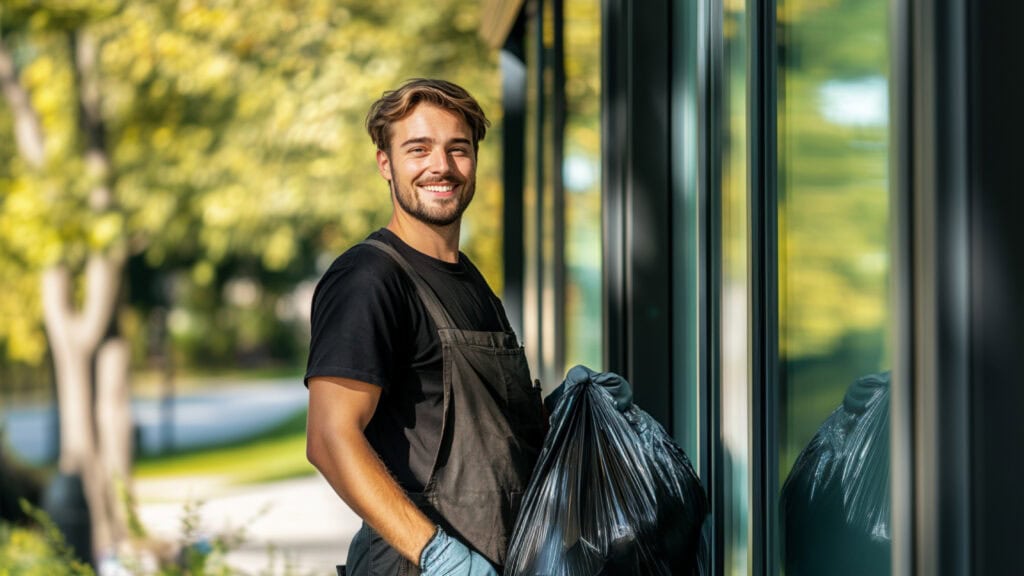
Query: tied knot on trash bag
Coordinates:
[616,386]
[611,494]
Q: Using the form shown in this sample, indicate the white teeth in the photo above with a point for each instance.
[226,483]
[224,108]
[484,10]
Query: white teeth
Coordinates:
[439,188]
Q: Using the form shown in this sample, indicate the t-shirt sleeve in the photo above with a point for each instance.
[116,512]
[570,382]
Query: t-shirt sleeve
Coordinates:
[354,322]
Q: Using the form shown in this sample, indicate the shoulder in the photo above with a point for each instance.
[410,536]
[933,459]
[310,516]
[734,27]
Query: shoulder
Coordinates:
[366,263]
[363,270]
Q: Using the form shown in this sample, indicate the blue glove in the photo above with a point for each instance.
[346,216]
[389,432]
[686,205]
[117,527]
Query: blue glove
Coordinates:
[617,386]
[446,556]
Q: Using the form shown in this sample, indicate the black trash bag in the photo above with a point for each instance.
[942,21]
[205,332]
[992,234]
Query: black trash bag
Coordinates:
[611,495]
[836,501]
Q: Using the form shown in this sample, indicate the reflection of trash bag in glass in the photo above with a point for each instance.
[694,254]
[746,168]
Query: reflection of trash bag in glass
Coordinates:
[835,502]
[611,495]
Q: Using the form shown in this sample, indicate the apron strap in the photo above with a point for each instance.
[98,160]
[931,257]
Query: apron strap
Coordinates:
[430,300]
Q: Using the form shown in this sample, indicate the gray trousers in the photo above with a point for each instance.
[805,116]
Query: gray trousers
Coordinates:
[370,555]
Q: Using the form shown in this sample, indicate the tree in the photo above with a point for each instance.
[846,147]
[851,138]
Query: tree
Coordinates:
[192,133]
[79,334]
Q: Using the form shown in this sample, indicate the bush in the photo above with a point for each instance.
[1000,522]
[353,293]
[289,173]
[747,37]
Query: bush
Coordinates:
[37,552]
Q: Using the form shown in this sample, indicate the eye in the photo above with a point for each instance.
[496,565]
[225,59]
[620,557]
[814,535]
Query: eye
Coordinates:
[460,151]
[417,150]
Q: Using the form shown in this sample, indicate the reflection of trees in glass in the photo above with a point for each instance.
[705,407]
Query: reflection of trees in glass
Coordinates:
[833,174]
[833,209]
[582,178]
[833,214]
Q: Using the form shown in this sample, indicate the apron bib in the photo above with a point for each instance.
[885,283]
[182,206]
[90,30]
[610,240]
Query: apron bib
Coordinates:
[492,432]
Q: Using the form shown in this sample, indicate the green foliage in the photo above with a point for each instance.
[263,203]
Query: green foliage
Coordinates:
[40,552]
[235,133]
[834,202]
[834,245]
[200,555]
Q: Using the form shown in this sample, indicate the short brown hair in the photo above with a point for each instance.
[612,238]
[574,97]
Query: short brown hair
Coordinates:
[397,104]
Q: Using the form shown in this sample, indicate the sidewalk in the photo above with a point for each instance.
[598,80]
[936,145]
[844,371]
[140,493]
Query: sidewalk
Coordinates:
[302,520]
[229,411]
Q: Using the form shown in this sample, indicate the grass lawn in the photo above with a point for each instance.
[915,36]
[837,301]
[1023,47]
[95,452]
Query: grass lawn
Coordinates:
[277,454]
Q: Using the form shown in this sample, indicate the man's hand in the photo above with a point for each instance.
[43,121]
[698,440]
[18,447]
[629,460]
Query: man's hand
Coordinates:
[446,556]
[617,386]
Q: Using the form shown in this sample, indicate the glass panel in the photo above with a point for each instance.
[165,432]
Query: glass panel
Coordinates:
[581,174]
[538,196]
[833,286]
[735,408]
[689,420]
[531,197]
[546,215]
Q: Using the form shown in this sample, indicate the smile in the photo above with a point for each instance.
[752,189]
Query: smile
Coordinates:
[439,189]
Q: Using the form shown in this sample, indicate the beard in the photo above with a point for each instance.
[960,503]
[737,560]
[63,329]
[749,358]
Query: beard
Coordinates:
[438,211]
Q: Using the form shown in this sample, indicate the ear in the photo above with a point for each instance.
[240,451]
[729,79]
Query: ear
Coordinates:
[384,165]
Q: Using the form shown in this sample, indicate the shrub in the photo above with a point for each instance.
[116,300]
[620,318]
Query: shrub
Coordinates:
[37,552]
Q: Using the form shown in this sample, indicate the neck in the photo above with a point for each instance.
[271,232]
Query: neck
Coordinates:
[438,242]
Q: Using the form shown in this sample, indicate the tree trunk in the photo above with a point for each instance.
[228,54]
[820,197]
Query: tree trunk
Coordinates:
[74,339]
[114,421]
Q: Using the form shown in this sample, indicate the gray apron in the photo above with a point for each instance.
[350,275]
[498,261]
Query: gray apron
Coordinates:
[492,432]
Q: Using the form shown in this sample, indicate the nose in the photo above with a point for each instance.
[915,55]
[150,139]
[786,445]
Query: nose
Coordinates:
[440,163]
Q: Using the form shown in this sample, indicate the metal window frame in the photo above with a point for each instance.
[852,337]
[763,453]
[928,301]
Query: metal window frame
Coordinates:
[902,397]
[615,134]
[956,393]
[691,233]
[540,343]
[558,121]
[512,60]
[710,59]
[637,199]
[932,394]
[762,187]
[995,123]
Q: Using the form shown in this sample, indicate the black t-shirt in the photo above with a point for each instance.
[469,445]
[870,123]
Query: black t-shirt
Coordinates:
[369,324]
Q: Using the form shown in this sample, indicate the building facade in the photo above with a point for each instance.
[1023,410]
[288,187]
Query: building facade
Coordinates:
[793,225]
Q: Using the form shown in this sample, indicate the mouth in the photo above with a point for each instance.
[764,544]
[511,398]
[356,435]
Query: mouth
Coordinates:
[439,190]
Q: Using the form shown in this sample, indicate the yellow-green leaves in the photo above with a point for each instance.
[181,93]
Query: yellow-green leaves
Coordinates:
[234,130]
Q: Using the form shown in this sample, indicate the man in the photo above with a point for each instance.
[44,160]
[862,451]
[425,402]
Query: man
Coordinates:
[422,415]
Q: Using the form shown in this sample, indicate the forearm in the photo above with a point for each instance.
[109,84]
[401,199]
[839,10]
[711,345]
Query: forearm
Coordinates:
[356,473]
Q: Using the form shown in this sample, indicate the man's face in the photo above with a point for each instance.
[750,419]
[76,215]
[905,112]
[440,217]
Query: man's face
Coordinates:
[431,165]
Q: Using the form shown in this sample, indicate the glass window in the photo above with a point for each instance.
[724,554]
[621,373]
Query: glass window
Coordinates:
[539,322]
[532,277]
[546,214]
[562,194]
[833,221]
[581,176]
[735,349]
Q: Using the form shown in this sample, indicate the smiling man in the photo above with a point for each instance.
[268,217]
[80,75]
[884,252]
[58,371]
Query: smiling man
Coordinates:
[422,415]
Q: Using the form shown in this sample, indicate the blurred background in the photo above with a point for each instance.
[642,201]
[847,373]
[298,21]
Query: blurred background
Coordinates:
[753,211]
[174,177]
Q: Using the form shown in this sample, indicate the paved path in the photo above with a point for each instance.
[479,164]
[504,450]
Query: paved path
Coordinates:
[230,410]
[302,519]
